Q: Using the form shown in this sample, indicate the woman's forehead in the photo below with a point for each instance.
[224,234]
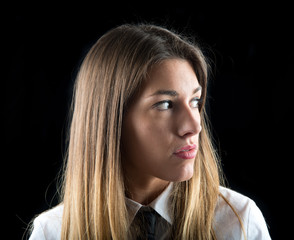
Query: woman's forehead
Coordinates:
[171,75]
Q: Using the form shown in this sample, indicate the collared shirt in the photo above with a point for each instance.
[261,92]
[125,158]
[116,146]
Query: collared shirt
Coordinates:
[160,205]
[226,224]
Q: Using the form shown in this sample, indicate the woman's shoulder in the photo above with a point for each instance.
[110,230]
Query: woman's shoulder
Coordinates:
[232,205]
[48,224]
[239,201]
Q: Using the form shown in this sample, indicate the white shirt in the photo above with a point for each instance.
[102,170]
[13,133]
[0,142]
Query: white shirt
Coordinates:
[226,224]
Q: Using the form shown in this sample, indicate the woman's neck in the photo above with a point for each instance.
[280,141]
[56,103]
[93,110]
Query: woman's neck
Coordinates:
[144,191]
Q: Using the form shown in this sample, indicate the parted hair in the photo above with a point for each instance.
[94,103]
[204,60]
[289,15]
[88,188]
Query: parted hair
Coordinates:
[93,186]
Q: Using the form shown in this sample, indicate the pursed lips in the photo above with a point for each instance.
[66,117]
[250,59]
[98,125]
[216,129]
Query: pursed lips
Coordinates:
[186,152]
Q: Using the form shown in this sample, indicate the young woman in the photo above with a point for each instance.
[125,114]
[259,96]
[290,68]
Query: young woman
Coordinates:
[139,148]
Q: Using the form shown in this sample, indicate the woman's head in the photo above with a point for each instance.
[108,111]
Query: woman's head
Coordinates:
[123,62]
[140,91]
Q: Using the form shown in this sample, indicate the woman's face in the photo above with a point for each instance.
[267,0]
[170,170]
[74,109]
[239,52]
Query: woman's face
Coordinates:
[162,124]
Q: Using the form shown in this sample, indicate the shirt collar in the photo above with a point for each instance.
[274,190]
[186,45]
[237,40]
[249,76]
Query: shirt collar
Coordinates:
[160,205]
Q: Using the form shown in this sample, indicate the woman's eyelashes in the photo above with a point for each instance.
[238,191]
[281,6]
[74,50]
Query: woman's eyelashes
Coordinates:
[163,105]
[168,104]
[196,102]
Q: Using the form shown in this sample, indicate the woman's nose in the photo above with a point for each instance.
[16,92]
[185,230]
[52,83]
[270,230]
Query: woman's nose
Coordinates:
[189,122]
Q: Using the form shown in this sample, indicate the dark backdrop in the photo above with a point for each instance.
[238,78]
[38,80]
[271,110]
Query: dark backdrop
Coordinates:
[251,49]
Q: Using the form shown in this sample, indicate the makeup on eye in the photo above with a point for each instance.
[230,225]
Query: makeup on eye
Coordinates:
[196,102]
[168,104]
[163,105]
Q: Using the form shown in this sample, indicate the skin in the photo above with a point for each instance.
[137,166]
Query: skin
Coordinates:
[162,118]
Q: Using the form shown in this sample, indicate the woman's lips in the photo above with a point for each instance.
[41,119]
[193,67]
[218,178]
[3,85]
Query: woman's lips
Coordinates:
[186,152]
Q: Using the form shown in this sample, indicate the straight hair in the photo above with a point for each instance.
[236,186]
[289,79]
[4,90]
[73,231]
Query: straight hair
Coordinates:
[93,187]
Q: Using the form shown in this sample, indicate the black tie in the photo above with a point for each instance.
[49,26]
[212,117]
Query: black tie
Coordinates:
[146,219]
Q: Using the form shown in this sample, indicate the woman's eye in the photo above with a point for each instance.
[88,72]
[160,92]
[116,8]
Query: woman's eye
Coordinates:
[163,105]
[195,102]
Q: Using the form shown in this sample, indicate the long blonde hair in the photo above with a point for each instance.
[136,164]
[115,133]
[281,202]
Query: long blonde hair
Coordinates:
[93,189]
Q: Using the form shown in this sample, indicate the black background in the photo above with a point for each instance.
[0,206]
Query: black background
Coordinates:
[251,49]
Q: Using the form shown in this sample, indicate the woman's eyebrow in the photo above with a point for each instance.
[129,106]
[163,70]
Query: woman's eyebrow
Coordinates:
[197,89]
[172,93]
